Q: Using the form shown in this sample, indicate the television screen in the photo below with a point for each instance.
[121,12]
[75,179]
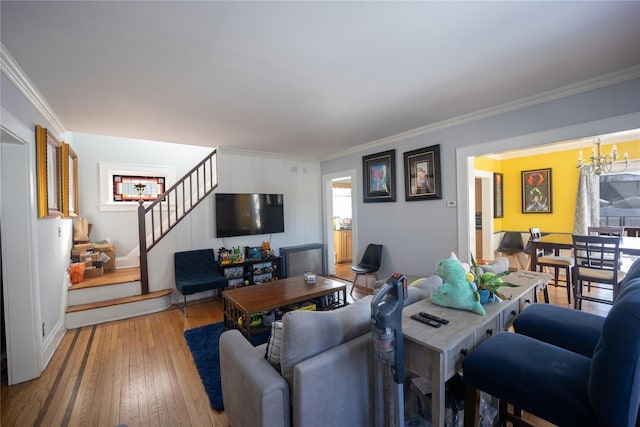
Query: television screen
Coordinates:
[244,214]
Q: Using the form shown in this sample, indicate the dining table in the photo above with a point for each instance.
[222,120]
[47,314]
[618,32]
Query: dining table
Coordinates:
[557,241]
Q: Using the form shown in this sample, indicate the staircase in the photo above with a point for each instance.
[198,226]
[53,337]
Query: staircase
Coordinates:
[111,297]
[125,292]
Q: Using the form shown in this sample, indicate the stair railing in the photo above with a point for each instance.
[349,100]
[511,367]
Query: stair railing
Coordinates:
[159,217]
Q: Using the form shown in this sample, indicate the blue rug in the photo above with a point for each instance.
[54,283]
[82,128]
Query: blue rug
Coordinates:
[204,345]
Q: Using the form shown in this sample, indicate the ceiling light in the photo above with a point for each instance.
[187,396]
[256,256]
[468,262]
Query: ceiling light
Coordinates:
[603,164]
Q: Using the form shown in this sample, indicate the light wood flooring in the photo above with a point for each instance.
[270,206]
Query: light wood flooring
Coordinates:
[134,372]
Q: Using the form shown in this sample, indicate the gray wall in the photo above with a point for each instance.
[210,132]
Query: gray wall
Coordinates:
[416,235]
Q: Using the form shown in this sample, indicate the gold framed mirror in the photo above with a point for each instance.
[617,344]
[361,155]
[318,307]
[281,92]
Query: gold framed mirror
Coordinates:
[48,173]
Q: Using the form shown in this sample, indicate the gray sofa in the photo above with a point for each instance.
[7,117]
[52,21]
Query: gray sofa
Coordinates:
[325,375]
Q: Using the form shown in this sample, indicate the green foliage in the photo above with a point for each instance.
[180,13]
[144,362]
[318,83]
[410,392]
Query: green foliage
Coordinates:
[489,281]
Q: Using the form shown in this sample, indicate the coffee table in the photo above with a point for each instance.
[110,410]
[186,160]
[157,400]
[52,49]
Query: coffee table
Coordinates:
[241,303]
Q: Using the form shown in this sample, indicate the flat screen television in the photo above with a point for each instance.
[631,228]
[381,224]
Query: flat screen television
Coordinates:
[245,214]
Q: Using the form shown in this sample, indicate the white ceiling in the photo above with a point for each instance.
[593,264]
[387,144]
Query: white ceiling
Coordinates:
[304,78]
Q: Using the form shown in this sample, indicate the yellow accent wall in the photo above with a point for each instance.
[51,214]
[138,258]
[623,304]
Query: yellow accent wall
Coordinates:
[564,187]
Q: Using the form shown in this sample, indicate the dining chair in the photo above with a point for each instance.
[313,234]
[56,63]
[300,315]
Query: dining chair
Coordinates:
[597,260]
[556,262]
[512,245]
[370,263]
[605,231]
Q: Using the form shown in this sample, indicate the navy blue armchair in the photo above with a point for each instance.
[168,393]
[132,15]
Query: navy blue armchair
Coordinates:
[197,271]
[559,385]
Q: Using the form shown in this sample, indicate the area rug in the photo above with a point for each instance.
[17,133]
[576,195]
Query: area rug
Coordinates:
[204,345]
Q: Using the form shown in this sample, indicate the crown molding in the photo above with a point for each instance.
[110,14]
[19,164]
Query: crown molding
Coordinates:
[19,78]
[268,154]
[540,98]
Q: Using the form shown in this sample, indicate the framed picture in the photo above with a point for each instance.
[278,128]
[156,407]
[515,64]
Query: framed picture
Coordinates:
[379,177]
[536,191]
[69,181]
[422,174]
[497,195]
[48,173]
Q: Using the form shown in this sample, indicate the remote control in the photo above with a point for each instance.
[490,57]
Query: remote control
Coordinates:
[427,321]
[432,317]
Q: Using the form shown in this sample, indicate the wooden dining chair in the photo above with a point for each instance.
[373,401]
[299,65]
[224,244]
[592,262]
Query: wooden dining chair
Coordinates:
[597,260]
[556,262]
[605,231]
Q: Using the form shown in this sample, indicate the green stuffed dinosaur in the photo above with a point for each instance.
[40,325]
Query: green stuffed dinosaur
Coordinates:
[456,290]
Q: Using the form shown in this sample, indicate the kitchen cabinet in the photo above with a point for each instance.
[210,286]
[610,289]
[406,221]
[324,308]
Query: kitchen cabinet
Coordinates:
[342,245]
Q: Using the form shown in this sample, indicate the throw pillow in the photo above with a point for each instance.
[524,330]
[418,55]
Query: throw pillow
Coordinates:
[274,345]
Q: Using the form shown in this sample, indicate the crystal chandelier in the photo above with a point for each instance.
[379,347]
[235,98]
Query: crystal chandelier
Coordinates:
[603,163]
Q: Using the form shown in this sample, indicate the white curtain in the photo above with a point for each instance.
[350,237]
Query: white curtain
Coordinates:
[587,203]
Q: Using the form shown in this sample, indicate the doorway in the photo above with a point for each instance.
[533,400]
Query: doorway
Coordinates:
[465,185]
[340,227]
[20,297]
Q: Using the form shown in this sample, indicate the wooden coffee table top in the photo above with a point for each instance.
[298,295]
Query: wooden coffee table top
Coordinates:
[266,296]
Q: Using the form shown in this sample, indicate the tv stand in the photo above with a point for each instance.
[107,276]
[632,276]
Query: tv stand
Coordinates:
[251,271]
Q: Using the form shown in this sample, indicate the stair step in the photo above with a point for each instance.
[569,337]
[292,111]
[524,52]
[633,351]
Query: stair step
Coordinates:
[123,275]
[118,301]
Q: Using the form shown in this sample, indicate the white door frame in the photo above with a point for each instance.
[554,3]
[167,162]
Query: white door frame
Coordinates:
[486,180]
[19,251]
[328,215]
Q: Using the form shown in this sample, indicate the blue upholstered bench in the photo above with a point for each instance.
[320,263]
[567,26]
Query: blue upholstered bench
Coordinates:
[197,271]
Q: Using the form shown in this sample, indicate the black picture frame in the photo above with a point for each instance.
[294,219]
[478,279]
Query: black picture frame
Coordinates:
[498,195]
[536,191]
[379,177]
[422,174]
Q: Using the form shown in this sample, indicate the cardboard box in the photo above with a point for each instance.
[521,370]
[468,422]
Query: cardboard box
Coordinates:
[93,272]
[88,257]
[109,250]
[78,252]
[82,246]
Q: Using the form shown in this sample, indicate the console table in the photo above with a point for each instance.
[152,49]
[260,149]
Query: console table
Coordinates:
[436,353]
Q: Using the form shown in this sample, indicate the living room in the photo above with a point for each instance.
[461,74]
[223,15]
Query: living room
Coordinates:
[408,230]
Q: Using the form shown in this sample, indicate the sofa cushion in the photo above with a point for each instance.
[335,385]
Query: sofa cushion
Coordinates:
[498,265]
[422,288]
[307,333]
[274,345]
[417,287]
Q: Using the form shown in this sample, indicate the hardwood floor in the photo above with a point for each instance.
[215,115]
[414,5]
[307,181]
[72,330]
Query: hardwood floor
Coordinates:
[137,372]
[134,372]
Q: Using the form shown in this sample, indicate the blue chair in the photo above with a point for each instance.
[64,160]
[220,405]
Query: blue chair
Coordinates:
[561,386]
[197,271]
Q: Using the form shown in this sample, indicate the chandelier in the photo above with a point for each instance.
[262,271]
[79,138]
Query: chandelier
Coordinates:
[603,163]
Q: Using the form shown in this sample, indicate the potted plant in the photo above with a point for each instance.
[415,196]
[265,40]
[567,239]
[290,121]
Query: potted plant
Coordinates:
[489,283]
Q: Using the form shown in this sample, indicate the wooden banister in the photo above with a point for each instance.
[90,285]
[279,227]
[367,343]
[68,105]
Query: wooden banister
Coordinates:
[159,217]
